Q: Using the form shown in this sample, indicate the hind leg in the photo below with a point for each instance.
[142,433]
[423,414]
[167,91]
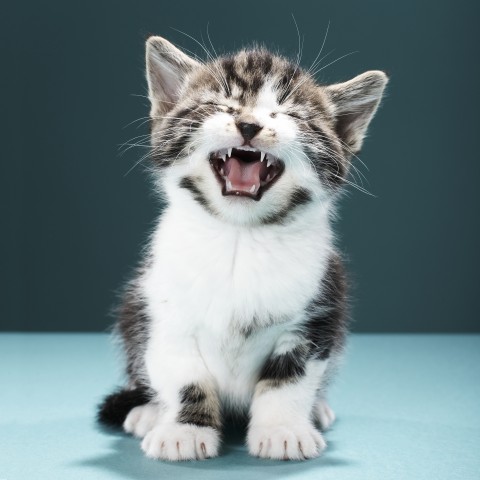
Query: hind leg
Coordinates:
[323,414]
[142,419]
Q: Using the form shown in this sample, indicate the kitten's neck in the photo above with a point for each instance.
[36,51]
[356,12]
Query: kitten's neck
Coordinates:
[312,224]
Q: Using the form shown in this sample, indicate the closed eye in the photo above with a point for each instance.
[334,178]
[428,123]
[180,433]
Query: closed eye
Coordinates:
[288,114]
[223,108]
[294,115]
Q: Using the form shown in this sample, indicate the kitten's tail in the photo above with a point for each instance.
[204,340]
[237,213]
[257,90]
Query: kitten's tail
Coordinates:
[115,407]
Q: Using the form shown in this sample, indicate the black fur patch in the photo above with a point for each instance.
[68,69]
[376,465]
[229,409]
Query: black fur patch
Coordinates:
[299,197]
[286,367]
[259,63]
[250,76]
[326,327]
[332,167]
[179,127]
[192,116]
[198,407]
[174,149]
[232,76]
[189,184]
[115,407]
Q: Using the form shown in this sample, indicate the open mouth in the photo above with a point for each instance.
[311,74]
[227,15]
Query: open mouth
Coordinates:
[245,172]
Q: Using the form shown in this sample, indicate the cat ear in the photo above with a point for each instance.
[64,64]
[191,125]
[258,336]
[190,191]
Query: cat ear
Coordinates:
[167,68]
[355,103]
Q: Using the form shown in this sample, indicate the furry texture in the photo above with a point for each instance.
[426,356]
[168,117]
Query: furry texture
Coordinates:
[241,303]
[116,406]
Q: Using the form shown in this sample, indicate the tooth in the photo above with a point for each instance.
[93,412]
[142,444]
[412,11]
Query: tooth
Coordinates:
[229,185]
[224,157]
[262,156]
[221,171]
[229,152]
[252,190]
[269,162]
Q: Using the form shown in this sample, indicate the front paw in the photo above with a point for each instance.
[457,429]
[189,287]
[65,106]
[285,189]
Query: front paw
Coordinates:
[285,441]
[178,441]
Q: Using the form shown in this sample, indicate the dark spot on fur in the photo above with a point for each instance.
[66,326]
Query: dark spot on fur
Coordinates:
[179,129]
[171,150]
[266,63]
[232,77]
[248,330]
[190,184]
[299,197]
[250,62]
[132,328]
[328,157]
[199,407]
[326,326]
[287,82]
[286,367]
[256,325]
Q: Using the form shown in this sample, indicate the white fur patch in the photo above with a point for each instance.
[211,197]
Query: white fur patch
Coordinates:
[280,425]
[323,414]
[209,281]
[177,442]
[140,420]
[285,441]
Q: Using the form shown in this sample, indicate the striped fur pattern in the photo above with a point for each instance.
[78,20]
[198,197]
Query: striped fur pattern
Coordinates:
[241,303]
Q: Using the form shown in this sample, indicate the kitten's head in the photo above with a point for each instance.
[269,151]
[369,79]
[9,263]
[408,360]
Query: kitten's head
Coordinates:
[252,137]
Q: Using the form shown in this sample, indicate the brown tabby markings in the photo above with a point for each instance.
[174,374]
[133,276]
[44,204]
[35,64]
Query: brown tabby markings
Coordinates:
[240,78]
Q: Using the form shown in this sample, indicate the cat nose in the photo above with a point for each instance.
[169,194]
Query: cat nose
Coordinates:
[248,130]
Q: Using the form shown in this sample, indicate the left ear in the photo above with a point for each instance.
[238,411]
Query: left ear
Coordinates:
[167,68]
[355,103]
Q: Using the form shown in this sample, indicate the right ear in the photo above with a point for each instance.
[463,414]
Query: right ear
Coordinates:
[167,68]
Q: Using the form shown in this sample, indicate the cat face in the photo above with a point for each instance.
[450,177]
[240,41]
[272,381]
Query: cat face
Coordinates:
[251,137]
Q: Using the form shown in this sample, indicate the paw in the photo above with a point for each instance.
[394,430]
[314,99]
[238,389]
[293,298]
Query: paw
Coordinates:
[323,414]
[285,442]
[181,442]
[141,420]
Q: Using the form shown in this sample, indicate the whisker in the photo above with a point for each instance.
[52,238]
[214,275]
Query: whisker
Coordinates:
[205,49]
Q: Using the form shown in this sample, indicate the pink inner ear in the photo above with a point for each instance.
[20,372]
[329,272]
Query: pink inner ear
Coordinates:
[165,82]
[167,68]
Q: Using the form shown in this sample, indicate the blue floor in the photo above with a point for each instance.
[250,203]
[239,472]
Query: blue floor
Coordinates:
[408,407]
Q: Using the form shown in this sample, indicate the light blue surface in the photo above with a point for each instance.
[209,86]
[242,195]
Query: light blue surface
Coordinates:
[408,408]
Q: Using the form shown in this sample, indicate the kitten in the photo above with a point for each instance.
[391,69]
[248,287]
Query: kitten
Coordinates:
[240,305]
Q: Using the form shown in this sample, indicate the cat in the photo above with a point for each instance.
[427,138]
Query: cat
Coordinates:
[240,304]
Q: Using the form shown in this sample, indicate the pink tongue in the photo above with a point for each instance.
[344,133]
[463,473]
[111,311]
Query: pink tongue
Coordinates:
[243,175]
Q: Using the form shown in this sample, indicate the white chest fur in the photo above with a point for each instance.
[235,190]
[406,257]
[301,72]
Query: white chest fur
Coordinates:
[234,290]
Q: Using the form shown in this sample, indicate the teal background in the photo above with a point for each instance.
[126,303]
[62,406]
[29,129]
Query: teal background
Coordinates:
[73,220]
